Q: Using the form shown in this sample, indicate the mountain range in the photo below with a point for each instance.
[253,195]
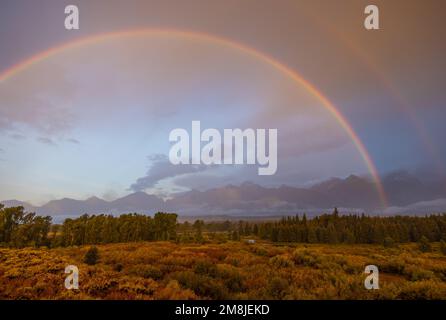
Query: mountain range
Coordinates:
[406,194]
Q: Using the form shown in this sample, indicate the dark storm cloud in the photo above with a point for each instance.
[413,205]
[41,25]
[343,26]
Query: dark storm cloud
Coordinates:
[161,169]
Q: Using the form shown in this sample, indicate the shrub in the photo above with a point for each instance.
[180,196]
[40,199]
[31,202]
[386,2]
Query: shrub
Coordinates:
[415,273]
[281,261]
[421,290]
[146,271]
[443,247]
[173,291]
[231,277]
[260,251]
[205,268]
[424,244]
[92,256]
[203,286]
[394,265]
[304,257]
[118,267]
[278,287]
[389,242]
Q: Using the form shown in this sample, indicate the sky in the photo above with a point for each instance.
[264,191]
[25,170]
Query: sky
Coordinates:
[94,119]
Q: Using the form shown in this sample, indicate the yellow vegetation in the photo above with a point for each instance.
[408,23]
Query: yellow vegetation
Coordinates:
[232,270]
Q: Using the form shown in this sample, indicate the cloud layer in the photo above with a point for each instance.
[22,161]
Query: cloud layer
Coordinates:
[162,169]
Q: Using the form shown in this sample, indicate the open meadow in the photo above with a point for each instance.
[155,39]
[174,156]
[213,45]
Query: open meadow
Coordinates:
[227,270]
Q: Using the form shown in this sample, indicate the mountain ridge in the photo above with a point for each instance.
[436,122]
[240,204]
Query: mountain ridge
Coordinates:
[248,198]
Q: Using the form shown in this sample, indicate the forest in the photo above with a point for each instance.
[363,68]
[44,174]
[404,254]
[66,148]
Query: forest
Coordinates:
[19,229]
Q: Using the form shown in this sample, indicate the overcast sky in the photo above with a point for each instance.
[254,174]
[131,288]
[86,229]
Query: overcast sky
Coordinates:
[95,119]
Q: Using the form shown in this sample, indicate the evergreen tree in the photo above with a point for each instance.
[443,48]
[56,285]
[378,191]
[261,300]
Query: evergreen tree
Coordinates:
[312,237]
[332,235]
[198,226]
[335,212]
[92,256]
[255,230]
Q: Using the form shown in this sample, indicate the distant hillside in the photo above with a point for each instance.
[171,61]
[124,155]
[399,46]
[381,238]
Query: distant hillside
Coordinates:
[406,194]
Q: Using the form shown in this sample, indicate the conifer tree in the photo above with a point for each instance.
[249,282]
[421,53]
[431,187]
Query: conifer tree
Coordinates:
[92,256]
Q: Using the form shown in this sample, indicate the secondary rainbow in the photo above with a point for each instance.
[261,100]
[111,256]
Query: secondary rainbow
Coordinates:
[328,105]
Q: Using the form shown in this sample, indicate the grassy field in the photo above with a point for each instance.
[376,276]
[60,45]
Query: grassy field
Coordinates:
[231,270]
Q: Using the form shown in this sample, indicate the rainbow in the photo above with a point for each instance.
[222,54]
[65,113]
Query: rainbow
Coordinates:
[400,101]
[329,106]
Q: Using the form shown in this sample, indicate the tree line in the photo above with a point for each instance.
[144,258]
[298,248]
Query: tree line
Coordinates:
[99,229]
[335,228]
[19,228]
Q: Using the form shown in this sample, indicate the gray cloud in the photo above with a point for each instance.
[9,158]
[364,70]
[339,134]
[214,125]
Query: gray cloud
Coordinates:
[74,141]
[161,169]
[32,112]
[17,136]
[46,141]
[42,104]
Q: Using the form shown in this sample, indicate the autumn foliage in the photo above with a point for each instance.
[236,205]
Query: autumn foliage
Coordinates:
[231,270]
[136,256]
